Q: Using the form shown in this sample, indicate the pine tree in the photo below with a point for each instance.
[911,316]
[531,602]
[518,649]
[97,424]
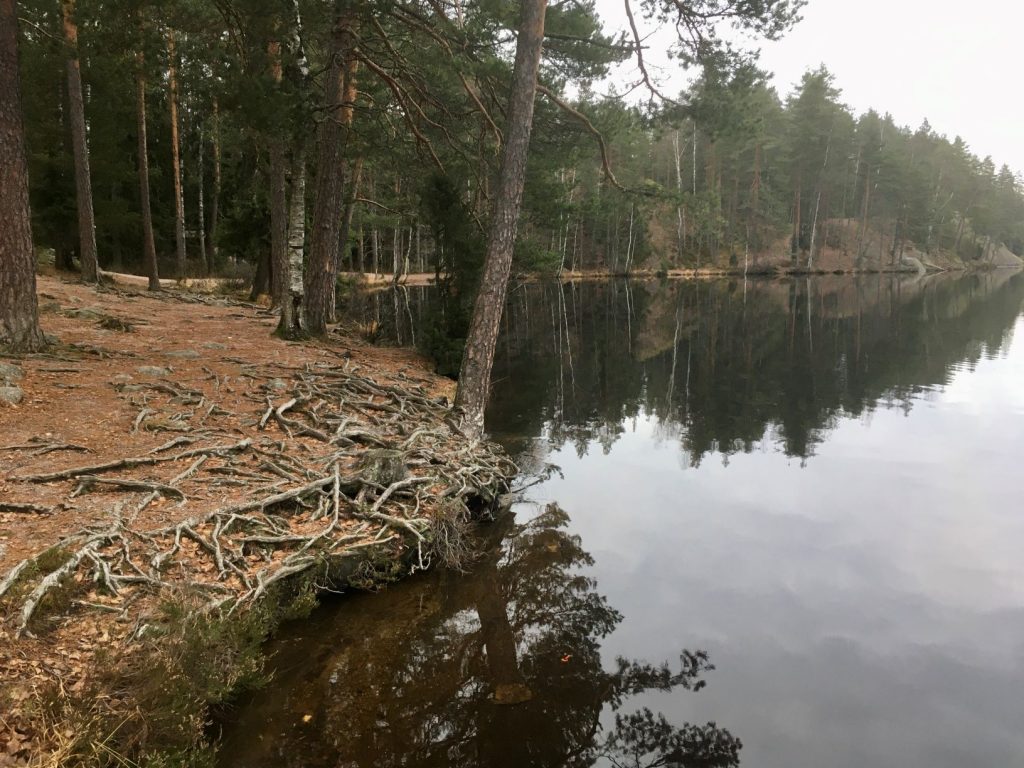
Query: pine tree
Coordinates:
[19,316]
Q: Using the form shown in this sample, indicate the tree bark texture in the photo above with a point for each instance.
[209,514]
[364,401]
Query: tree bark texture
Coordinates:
[329,197]
[293,314]
[478,358]
[19,315]
[278,199]
[80,145]
[345,116]
[278,222]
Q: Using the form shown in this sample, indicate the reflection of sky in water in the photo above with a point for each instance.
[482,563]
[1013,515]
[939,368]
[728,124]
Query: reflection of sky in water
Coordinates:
[865,608]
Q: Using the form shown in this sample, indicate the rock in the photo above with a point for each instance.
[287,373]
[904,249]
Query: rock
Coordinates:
[116,324]
[121,378]
[214,345]
[1002,256]
[11,395]
[49,307]
[383,466]
[9,373]
[153,370]
[912,262]
[183,354]
[85,313]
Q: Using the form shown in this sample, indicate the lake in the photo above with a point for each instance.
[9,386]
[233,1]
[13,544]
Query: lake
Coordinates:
[784,531]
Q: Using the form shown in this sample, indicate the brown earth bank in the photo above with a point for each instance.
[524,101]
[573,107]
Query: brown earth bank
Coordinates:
[174,481]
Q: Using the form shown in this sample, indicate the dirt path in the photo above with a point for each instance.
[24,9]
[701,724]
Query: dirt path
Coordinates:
[250,459]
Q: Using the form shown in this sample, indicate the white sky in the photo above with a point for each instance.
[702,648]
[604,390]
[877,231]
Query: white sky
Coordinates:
[959,64]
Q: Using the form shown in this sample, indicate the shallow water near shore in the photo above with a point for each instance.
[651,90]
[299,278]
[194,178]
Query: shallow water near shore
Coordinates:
[802,495]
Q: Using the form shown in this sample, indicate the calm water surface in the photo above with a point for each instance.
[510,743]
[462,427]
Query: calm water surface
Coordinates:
[814,483]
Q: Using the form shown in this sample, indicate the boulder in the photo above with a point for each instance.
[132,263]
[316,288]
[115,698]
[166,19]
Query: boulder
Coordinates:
[9,373]
[11,395]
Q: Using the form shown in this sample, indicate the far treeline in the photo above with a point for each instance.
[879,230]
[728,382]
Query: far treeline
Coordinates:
[233,95]
[288,141]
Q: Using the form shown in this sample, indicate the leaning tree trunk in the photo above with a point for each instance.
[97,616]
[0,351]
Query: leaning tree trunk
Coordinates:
[475,373]
[179,195]
[148,244]
[79,141]
[323,239]
[19,315]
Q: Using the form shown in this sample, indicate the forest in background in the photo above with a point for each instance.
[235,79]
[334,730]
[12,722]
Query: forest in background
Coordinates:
[727,173]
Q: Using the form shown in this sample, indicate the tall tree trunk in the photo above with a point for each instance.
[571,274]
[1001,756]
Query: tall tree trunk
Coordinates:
[375,249]
[211,234]
[755,203]
[293,316]
[817,203]
[680,217]
[80,143]
[345,116]
[350,207]
[148,244]
[19,313]
[278,202]
[204,261]
[261,280]
[179,195]
[865,209]
[798,206]
[323,239]
[360,252]
[278,223]
[478,358]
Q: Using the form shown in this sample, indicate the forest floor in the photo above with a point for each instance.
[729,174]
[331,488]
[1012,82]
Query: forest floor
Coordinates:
[167,456]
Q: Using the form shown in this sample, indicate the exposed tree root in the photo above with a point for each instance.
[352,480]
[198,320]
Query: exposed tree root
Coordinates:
[310,501]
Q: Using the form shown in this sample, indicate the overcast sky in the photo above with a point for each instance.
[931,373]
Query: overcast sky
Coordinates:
[959,64]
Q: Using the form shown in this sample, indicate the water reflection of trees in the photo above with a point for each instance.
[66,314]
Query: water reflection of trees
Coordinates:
[724,367]
[499,668]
